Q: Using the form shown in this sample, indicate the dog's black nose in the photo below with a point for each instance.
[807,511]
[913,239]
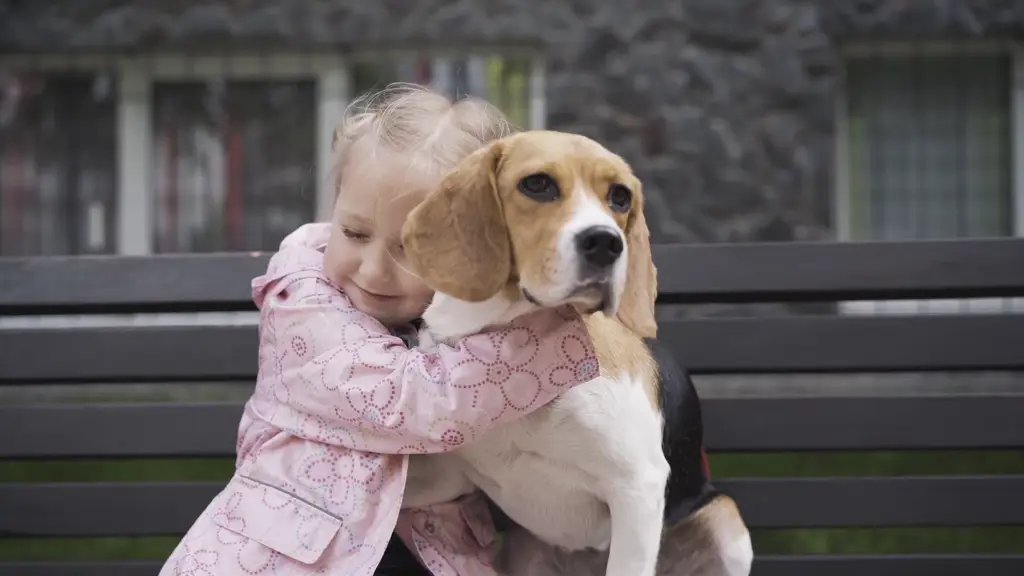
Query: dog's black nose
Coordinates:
[599,245]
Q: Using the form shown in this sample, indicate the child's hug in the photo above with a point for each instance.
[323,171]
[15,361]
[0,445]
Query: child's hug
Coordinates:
[340,400]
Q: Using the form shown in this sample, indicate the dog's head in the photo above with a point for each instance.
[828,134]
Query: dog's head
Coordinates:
[549,217]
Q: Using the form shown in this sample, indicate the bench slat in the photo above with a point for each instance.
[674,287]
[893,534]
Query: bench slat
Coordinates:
[686,273]
[882,501]
[826,344]
[948,422]
[130,568]
[837,344]
[889,565]
[163,283]
[732,424]
[809,565]
[832,271]
[114,430]
[129,354]
[111,568]
[151,509]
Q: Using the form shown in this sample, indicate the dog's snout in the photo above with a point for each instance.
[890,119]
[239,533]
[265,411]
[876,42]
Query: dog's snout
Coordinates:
[599,245]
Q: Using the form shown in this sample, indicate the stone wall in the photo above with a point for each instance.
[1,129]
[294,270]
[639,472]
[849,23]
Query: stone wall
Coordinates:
[724,107]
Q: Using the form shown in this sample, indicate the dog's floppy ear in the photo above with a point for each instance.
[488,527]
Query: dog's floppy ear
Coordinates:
[457,240]
[636,310]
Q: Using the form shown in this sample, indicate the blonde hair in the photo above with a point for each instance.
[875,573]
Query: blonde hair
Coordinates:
[427,127]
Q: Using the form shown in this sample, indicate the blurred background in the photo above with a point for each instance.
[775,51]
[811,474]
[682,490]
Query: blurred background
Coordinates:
[137,128]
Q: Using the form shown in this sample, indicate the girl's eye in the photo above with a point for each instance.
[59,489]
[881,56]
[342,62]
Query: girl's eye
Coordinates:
[353,235]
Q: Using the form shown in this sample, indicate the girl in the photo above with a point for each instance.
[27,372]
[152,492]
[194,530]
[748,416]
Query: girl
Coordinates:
[320,470]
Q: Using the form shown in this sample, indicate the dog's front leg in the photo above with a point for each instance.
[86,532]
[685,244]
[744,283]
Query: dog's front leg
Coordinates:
[633,485]
[637,507]
[624,465]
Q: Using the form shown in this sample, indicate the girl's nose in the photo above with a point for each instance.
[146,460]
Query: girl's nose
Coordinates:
[377,269]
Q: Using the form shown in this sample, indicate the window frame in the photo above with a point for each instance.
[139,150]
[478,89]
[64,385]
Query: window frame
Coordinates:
[842,213]
[136,76]
[328,71]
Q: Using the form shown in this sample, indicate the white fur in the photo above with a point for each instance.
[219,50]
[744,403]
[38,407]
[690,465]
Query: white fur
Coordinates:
[595,451]
[739,555]
[447,316]
[584,472]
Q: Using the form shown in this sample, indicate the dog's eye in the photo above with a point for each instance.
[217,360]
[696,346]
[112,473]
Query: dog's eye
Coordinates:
[620,198]
[540,187]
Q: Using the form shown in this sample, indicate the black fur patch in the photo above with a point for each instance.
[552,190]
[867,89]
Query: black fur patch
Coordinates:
[682,439]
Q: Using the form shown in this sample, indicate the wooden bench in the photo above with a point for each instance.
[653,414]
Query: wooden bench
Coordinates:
[827,343]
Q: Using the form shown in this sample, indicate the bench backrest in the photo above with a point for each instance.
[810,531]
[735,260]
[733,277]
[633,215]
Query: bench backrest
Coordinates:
[732,274]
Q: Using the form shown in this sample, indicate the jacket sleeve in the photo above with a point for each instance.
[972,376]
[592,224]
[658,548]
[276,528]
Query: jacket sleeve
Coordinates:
[331,373]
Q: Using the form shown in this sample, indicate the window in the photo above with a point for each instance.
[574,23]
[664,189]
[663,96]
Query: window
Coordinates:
[58,163]
[927,144]
[233,163]
[929,147]
[236,146]
[161,153]
[512,84]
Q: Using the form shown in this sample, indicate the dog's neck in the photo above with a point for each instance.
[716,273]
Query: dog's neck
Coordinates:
[447,319]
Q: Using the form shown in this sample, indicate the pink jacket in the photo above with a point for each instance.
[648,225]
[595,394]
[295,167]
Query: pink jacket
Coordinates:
[319,476]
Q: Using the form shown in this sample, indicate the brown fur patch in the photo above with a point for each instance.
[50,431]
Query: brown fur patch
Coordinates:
[695,546]
[477,231]
[477,235]
[620,351]
[580,166]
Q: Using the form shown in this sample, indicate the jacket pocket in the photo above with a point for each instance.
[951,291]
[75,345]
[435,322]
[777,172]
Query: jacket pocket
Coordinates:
[276,519]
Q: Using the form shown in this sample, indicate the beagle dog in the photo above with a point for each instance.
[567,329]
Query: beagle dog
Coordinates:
[598,476]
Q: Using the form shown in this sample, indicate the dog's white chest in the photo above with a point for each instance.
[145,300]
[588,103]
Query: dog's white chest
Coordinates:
[552,470]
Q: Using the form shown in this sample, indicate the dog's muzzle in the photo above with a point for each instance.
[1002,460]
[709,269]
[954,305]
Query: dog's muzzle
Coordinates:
[596,295]
[600,293]
[599,249]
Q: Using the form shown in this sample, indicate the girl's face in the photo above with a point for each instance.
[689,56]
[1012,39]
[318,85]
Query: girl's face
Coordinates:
[364,255]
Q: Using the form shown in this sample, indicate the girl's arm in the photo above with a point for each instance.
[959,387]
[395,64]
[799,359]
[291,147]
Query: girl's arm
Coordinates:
[334,374]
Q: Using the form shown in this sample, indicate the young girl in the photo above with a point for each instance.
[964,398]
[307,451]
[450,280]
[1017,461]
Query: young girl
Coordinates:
[320,473]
